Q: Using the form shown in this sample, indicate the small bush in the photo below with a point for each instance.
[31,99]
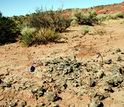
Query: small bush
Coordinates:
[45,35]
[46,19]
[42,36]
[115,16]
[119,15]
[85,30]
[28,36]
[86,19]
[101,17]
[8,30]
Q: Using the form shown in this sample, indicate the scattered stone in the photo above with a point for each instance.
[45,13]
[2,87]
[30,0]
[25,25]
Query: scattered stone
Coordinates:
[51,96]
[108,61]
[114,80]
[36,89]
[95,103]
[107,88]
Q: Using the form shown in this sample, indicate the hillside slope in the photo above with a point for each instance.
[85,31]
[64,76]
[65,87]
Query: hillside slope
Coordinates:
[108,9]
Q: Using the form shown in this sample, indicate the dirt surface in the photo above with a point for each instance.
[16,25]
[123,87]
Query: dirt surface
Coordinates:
[15,63]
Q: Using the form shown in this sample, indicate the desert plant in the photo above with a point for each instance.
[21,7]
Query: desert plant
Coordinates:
[101,17]
[77,15]
[46,19]
[27,30]
[115,16]
[28,36]
[87,19]
[119,15]
[45,35]
[8,30]
[85,30]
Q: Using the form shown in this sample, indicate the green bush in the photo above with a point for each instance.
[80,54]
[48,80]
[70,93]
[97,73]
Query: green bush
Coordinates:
[8,30]
[46,19]
[119,15]
[87,19]
[101,17]
[115,16]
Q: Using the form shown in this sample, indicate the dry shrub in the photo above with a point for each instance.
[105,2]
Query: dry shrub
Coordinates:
[45,35]
[46,19]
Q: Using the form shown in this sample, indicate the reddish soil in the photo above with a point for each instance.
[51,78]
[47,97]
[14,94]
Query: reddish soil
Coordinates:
[110,9]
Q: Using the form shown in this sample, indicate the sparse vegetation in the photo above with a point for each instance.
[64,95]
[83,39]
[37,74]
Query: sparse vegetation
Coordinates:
[46,19]
[87,19]
[45,35]
[48,24]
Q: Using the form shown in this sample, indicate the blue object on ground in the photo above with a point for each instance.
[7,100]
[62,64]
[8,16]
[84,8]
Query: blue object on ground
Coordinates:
[32,68]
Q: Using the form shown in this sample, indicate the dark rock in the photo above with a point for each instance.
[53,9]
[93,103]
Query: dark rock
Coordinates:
[118,50]
[108,61]
[5,85]
[91,82]
[107,88]
[121,70]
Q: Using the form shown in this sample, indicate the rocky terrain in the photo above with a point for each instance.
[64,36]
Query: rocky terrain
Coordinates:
[78,71]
